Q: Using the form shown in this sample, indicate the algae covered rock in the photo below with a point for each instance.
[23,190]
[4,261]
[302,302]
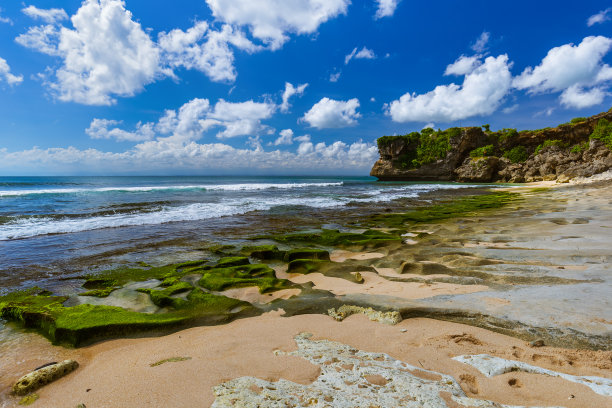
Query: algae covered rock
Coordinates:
[306,253]
[44,375]
[232,261]
[265,252]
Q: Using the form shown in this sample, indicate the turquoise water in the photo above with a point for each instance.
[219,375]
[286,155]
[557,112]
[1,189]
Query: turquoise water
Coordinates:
[50,225]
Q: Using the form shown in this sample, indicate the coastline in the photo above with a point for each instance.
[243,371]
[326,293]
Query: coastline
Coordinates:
[430,338]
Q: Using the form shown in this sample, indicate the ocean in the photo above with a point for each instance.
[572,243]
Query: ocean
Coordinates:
[57,226]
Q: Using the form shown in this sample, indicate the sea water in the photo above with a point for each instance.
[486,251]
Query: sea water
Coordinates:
[50,226]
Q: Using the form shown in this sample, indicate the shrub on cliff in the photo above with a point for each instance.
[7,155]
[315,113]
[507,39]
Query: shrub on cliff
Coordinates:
[517,154]
[483,151]
[603,132]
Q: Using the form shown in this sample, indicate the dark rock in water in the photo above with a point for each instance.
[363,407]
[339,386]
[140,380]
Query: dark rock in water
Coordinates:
[42,376]
[472,154]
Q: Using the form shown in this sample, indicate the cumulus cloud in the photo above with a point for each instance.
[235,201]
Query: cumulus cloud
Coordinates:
[575,70]
[159,155]
[192,121]
[577,97]
[107,54]
[290,91]
[481,93]
[6,76]
[481,43]
[330,113]
[364,53]
[599,18]
[386,8]
[463,65]
[205,50]
[271,20]
[286,138]
[49,16]
[99,129]
[43,39]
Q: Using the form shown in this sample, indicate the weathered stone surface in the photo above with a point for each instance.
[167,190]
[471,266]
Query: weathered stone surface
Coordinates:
[44,375]
[349,378]
[344,311]
[548,163]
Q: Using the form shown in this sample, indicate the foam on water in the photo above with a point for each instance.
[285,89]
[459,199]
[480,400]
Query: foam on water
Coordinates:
[203,187]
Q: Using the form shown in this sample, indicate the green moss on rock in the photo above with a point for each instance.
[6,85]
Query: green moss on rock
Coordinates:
[260,275]
[306,253]
[265,252]
[232,261]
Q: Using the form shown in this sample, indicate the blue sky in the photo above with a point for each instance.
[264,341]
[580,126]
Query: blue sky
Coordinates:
[281,86]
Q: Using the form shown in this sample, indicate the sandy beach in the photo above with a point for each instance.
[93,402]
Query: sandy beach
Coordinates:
[505,266]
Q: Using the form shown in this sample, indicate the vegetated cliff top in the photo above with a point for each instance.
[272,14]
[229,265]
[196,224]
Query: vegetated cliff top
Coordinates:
[435,155]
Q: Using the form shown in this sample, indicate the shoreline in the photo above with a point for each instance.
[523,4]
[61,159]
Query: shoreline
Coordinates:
[451,248]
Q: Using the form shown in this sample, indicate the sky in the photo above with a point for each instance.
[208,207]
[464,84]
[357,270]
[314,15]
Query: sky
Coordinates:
[281,87]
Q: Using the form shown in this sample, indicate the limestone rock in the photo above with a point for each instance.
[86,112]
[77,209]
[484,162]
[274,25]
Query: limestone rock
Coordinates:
[43,376]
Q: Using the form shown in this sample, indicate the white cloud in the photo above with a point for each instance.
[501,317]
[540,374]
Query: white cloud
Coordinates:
[430,125]
[386,8]
[335,77]
[364,53]
[5,74]
[302,139]
[107,54]
[601,17]
[577,97]
[99,129]
[5,20]
[271,20]
[481,93]
[286,138]
[43,39]
[510,109]
[576,70]
[481,43]
[192,121]
[463,65]
[213,56]
[290,91]
[161,155]
[330,113]
[49,16]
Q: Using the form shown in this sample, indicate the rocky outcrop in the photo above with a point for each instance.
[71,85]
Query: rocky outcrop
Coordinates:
[561,153]
[43,375]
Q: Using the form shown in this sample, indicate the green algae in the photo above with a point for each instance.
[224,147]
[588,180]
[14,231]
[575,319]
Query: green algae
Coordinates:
[264,252]
[345,270]
[29,399]
[260,275]
[232,261]
[306,253]
[170,360]
[461,207]
[335,238]
[100,293]
[99,283]
[306,266]
[163,298]
[81,324]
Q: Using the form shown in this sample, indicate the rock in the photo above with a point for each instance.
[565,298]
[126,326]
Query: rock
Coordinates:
[479,170]
[345,311]
[43,376]
[552,154]
[537,343]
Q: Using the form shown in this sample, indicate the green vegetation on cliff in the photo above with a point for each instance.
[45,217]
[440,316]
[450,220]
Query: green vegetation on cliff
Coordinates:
[425,147]
[603,132]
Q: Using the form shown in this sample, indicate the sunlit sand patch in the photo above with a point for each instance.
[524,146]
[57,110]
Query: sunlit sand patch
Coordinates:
[341,255]
[251,294]
[392,273]
[374,284]
[349,378]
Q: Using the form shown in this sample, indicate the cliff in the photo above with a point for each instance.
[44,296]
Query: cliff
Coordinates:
[582,147]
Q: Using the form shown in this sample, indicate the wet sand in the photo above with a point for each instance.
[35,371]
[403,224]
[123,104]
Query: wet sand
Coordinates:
[119,373]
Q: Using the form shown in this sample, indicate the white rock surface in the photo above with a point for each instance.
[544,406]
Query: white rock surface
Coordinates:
[349,378]
[492,366]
